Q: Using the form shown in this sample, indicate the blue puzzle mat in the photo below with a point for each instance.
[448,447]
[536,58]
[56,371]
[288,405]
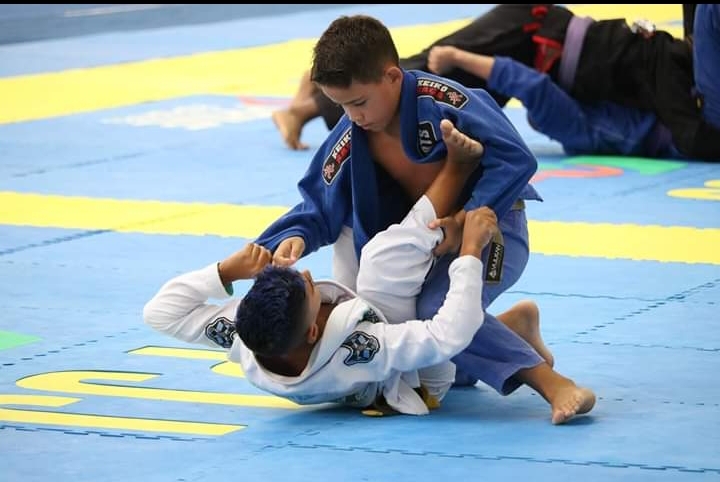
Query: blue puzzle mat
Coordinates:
[136,144]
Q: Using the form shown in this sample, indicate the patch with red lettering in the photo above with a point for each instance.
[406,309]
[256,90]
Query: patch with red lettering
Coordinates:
[441,92]
[339,153]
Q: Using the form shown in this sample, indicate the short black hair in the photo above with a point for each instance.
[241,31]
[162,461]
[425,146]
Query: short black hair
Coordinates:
[352,48]
[269,319]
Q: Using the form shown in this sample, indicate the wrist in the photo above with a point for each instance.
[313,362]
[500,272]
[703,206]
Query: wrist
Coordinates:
[471,249]
[459,58]
[225,279]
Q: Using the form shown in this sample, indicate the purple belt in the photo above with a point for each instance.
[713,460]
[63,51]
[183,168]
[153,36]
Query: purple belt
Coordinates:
[574,38]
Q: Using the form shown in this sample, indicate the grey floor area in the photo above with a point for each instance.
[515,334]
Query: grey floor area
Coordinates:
[31,22]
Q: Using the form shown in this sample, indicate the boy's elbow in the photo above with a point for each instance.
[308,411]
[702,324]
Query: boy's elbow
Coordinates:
[528,168]
[154,316]
[532,163]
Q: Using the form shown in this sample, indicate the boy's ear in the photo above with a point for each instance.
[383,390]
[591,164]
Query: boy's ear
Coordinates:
[394,73]
[311,335]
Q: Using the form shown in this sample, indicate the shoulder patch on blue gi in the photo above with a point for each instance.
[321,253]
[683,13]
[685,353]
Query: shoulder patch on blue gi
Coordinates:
[363,348]
[221,332]
[339,153]
[426,137]
[441,92]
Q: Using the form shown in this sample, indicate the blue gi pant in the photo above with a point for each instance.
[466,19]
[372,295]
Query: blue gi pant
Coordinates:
[495,353]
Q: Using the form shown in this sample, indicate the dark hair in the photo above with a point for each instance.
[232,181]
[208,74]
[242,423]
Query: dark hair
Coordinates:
[269,320]
[352,48]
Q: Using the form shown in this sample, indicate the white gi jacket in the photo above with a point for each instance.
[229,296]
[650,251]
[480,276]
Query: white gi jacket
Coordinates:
[359,355]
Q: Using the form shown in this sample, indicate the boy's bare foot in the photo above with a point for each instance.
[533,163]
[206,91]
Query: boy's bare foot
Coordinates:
[524,319]
[566,399]
[290,126]
[570,401]
[461,148]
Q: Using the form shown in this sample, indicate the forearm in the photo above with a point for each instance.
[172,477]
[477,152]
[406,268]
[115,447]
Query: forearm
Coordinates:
[180,307]
[297,222]
[507,164]
[396,261]
[417,344]
[227,277]
[543,100]
[478,65]
[318,219]
[503,179]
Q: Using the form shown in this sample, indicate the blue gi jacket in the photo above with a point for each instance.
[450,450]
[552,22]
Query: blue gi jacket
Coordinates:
[344,187]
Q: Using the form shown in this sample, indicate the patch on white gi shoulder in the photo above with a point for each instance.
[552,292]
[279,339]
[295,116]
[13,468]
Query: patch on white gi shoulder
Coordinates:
[426,137]
[441,92]
[363,348]
[339,153]
[221,332]
[371,316]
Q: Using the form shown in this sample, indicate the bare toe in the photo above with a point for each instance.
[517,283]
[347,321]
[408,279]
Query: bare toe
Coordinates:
[574,401]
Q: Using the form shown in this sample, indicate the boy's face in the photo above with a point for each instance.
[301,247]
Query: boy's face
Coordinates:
[371,106]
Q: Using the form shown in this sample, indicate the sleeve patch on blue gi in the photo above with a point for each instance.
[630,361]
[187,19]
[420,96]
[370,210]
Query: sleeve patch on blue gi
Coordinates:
[339,153]
[426,137]
[221,332]
[441,92]
[363,348]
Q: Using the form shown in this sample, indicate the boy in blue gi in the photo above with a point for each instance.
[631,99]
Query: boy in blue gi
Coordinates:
[603,60]
[379,159]
[580,127]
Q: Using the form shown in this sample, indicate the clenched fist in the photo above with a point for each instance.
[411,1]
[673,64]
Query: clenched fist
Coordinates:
[244,264]
[289,251]
[480,227]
